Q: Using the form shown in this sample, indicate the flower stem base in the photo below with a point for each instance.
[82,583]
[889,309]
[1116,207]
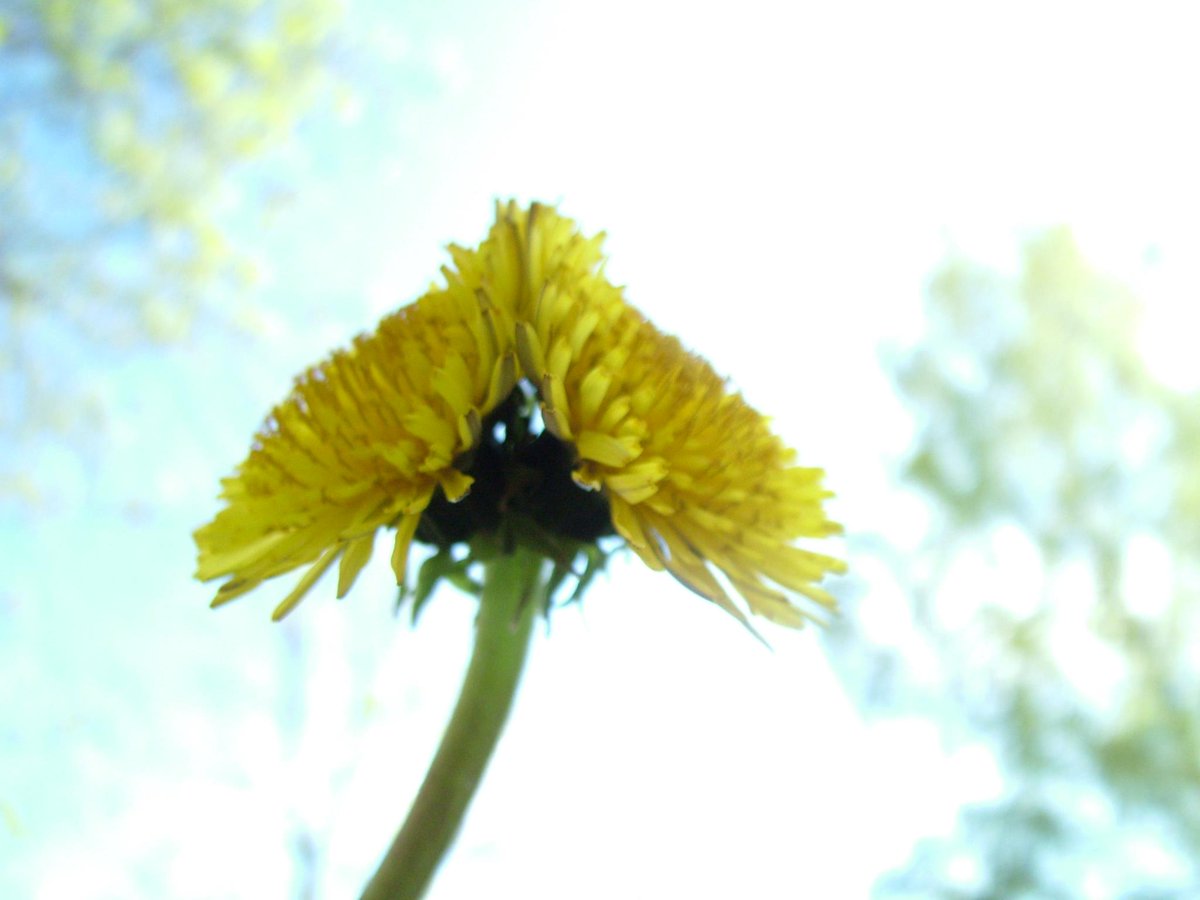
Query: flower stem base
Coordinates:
[508,606]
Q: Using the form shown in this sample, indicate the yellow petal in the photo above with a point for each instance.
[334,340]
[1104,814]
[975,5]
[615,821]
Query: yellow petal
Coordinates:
[503,380]
[555,411]
[469,429]
[231,590]
[431,427]
[627,523]
[404,535]
[215,564]
[453,382]
[529,350]
[315,571]
[358,553]
[455,484]
[607,449]
[592,389]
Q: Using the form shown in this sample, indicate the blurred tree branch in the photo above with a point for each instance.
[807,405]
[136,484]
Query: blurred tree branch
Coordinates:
[1038,418]
[122,124]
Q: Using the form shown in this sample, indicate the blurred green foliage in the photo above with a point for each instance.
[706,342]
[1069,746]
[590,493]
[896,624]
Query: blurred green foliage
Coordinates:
[1057,467]
[122,126]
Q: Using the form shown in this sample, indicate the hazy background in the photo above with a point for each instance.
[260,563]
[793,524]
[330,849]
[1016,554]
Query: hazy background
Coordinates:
[950,248]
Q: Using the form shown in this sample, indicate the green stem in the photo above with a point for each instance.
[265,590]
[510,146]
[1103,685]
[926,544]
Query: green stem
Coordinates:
[506,613]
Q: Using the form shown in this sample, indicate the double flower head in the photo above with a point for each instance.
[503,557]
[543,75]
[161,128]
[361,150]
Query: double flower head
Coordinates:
[525,398]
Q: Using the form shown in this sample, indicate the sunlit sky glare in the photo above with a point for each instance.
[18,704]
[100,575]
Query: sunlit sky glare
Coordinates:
[793,161]
[777,181]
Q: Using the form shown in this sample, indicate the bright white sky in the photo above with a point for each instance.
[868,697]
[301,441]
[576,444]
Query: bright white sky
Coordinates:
[776,183]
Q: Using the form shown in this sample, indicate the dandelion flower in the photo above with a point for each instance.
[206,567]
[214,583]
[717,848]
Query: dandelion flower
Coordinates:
[640,437]
[525,411]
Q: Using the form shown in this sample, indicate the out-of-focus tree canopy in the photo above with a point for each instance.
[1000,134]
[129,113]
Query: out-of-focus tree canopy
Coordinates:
[1056,597]
[121,124]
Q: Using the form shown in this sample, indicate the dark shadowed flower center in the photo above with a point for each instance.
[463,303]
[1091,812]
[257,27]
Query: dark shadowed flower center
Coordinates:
[520,470]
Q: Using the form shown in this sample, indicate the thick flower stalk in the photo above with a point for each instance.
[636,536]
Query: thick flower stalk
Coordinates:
[522,409]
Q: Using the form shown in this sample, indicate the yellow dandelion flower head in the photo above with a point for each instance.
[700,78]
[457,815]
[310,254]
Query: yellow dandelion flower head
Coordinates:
[429,427]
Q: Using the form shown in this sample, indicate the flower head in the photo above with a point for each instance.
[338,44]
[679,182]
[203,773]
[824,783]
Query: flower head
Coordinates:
[425,427]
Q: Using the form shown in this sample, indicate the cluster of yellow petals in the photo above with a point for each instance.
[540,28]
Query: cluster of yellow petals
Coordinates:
[362,442]
[694,478]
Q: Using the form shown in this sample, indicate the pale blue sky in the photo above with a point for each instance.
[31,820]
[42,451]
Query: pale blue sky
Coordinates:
[776,186]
